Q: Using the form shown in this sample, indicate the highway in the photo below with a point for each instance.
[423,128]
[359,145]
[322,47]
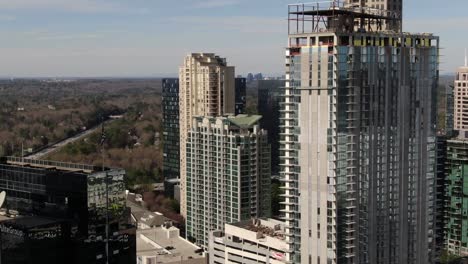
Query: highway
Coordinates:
[57,146]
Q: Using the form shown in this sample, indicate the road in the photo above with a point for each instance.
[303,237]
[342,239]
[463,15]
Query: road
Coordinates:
[61,144]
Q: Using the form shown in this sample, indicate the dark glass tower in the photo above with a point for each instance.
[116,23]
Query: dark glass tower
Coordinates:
[241,95]
[57,213]
[171,155]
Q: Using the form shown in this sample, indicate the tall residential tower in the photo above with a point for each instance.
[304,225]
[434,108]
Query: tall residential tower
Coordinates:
[460,90]
[457,169]
[228,174]
[358,137]
[207,88]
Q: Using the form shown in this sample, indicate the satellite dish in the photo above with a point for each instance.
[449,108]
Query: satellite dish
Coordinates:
[2,198]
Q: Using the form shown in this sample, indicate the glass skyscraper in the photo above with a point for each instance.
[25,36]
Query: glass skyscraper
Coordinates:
[269,108]
[358,137]
[241,95]
[171,134]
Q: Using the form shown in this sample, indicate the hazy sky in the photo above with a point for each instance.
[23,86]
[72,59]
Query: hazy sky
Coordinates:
[150,37]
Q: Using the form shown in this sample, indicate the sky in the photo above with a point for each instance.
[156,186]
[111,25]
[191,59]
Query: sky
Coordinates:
[149,38]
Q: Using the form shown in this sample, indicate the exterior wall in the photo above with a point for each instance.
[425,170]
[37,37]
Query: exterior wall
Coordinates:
[207,88]
[314,120]
[457,194]
[171,134]
[364,105]
[228,176]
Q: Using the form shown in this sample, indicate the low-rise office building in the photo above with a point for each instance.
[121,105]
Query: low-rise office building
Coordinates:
[64,207]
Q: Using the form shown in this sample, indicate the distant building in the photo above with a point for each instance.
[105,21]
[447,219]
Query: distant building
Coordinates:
[57,212]
[268,107]
[171,134]
[250,77]
[228,174]
[207,88]
[250,241]
[449,111]
[241,96]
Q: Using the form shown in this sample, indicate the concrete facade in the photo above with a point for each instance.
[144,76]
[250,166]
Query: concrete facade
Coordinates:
[251,242]
[207,88]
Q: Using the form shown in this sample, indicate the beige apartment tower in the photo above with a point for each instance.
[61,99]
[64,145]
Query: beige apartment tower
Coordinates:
[460,94]
[207,88]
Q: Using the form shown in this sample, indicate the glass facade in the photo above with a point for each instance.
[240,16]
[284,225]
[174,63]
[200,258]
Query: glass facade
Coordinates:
[268,107]
[171,134]
[67,208]
[241,95]
[457,197]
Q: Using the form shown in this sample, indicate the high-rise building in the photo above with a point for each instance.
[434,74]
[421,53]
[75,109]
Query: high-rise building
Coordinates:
[358,137]
[241,96]
[268,107]
[460,91]
[57,213]
[171,134]
[228,174]
[457,168]
[457,193]
[206,88]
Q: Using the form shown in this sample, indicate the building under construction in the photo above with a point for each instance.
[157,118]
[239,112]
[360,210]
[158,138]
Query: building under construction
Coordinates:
[358,138]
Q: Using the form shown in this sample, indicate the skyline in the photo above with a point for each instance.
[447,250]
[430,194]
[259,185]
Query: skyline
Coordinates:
[143,38]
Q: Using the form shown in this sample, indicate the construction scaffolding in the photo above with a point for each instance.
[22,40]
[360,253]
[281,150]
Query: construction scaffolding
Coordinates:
[337,16]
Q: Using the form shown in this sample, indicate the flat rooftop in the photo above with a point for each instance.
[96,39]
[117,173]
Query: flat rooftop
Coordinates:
[157,242]
[27,222]
[47,164]
[267,227]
